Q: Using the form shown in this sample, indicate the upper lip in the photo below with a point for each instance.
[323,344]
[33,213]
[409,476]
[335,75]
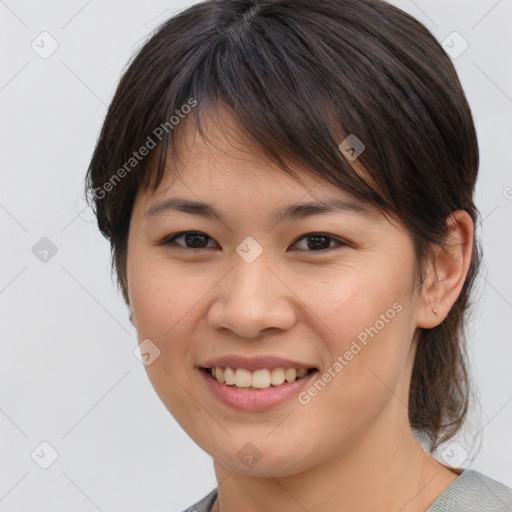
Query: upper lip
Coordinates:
[254,363]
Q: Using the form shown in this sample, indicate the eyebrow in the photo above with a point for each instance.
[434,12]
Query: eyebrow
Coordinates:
[293,211]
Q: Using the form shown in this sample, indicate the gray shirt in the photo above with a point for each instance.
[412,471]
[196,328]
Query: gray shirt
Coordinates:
[469,492]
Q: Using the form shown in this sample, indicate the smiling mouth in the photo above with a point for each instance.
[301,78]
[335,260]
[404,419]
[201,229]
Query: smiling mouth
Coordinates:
[258,379]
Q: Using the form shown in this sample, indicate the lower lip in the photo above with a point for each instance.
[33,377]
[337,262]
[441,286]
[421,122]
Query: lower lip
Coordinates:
[247,400]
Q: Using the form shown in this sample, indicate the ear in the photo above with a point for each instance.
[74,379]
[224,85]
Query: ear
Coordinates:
[447,271]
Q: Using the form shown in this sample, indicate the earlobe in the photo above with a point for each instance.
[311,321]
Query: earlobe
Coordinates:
[447,271]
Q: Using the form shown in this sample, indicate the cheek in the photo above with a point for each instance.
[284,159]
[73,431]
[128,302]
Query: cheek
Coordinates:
[165,298]
[350,299]
[367,327]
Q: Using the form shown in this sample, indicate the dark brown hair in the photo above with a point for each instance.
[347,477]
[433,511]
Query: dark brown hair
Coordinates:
[300,76]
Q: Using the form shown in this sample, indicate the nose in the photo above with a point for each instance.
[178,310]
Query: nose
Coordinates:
[252,298]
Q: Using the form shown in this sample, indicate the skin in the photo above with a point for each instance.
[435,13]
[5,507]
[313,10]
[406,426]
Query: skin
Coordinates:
[351,447]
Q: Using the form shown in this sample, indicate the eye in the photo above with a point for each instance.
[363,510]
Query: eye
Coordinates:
[318,242]
[192,239]
[315,242]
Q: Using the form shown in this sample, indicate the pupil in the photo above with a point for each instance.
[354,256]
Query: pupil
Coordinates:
[316,244]
[190,239]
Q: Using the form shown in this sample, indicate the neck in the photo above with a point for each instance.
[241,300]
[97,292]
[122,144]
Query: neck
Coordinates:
[392,474]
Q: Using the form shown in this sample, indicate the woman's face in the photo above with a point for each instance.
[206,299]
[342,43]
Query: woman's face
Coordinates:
[334,291]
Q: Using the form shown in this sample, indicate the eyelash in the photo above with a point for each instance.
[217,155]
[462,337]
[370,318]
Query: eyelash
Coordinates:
[170,240]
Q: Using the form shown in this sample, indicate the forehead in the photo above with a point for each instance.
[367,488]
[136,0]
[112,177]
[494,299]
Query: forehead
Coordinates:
[221,159]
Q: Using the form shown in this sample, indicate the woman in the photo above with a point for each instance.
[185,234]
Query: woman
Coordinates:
[288,187]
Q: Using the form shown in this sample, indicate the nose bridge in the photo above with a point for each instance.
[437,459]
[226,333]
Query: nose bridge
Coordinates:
[250,274]
[250,279]
[251,297]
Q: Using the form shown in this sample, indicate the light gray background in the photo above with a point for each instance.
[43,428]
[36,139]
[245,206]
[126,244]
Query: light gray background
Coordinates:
[68,373]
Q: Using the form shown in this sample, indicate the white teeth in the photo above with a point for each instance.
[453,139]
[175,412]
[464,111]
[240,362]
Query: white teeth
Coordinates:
[243,378]
[219,374]
[229,375]
[259,379]
[277,376]
[291,374]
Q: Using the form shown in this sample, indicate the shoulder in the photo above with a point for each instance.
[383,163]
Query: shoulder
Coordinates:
[204,504]
[472,491]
